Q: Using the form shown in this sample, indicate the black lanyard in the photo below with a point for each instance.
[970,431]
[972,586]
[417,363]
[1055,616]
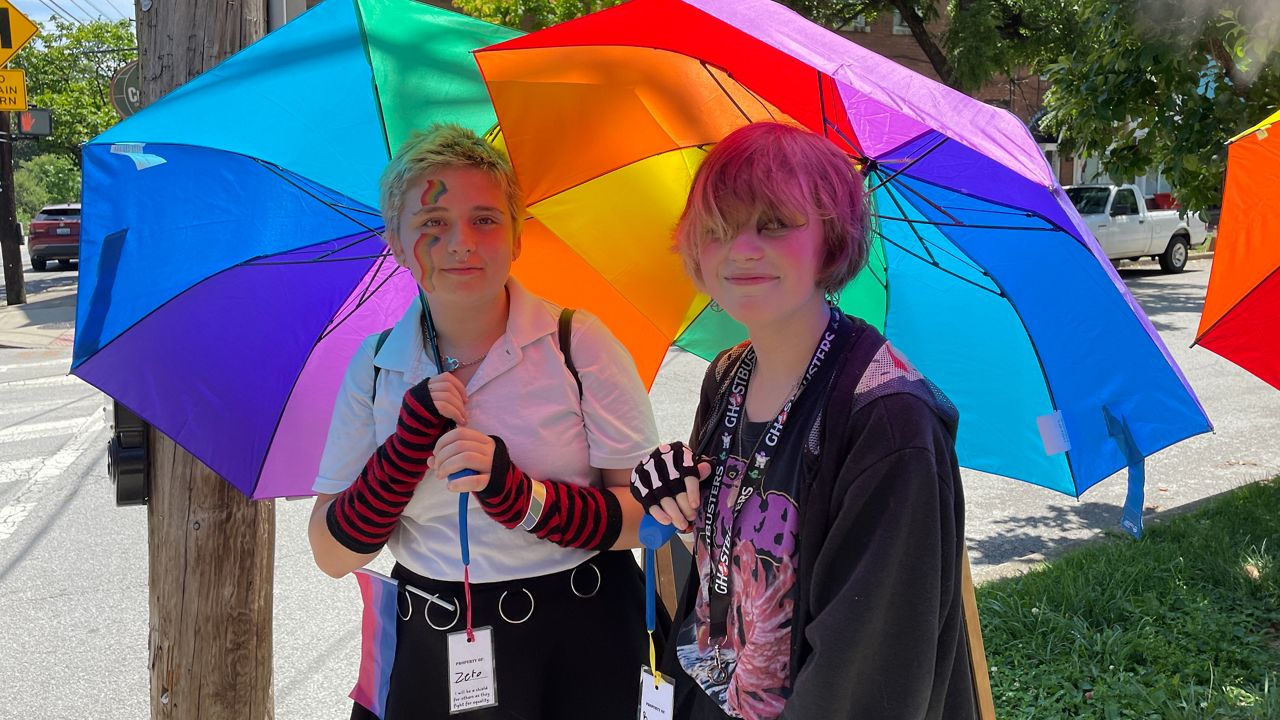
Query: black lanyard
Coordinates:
[750,469]
[429,341]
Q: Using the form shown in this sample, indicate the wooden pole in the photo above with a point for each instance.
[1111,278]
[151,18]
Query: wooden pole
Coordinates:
[211,551]
[977,650]
[15,289]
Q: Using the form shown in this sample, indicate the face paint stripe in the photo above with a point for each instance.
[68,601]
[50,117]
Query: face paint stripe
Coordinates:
[422,251]
[431,194]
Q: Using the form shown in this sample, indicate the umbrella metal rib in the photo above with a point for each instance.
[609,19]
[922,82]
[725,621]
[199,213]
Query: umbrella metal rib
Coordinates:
[923,244]
[929,261]
[910,164]
[716,80]
[932,204]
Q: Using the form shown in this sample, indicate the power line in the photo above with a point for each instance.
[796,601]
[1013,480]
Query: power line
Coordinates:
[101,15]
[81,8]
[54,12]
[60,12]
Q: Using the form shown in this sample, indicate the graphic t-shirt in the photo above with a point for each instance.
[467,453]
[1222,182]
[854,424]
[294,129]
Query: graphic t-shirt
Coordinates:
[747,671]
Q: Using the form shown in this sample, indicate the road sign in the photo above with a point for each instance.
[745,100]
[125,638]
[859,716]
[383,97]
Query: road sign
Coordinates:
[13,90]
[126,89]
[16,30]
[34,123]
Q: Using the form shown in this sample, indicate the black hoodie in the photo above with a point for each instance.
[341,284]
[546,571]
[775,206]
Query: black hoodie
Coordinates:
[879,627]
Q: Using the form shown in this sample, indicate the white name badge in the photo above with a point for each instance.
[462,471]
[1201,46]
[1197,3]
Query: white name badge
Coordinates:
[472,683]
[657,699]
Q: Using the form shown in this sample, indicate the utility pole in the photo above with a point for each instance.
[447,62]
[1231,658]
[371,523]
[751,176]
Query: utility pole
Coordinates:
[211,550]
[15,288]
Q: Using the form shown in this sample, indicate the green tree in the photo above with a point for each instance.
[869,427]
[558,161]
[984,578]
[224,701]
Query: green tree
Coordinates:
[69,68]
[531,14]
[1164,84]
[979,40]
[968,42]
[45,179]
[29,195]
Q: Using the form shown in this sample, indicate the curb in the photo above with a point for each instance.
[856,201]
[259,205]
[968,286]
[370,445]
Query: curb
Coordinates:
[1034,561]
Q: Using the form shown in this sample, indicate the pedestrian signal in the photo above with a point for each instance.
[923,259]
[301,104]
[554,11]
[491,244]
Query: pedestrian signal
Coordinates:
[34,123]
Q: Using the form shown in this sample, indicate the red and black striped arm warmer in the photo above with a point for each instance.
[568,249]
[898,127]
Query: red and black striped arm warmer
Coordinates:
[586,518]
[362,517]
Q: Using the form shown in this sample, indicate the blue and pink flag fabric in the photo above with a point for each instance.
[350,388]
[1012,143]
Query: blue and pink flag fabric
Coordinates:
[377,641]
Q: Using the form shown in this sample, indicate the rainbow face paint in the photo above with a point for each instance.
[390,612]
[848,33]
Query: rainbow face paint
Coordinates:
[422,253]
[432,193]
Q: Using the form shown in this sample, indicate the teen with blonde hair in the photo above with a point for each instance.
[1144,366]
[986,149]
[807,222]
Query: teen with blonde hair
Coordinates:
[820,480]
[473,378]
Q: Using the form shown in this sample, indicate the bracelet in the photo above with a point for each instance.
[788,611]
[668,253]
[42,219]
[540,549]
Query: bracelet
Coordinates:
[537,501]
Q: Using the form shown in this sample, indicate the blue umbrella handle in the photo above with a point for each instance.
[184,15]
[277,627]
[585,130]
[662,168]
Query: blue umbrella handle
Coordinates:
[462,515]
[649,591]
[654,534]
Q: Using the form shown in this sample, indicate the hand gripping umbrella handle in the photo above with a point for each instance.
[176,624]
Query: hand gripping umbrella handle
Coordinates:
[654,534]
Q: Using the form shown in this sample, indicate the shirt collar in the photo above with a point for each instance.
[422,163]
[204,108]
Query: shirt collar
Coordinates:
[528,319]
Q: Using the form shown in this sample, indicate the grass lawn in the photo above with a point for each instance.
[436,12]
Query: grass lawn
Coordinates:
[1182,624]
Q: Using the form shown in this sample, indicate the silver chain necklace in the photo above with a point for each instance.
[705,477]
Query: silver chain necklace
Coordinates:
[452,363]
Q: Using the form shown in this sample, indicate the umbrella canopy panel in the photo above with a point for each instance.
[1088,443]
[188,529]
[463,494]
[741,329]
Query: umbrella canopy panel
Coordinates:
[232,253]
[981,270]
[1239,321]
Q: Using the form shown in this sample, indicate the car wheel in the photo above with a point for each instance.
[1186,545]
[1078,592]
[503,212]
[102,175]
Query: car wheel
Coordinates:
[1174,258]
[39,264]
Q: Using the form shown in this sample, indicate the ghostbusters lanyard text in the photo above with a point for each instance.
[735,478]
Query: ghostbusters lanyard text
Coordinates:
[753,473]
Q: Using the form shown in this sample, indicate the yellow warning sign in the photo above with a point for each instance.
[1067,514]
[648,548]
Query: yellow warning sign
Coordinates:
[13,90]
[16,30]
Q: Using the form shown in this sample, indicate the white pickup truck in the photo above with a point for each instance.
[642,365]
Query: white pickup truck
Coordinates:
[1118,217]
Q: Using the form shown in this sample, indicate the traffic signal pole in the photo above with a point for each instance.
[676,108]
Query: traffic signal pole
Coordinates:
[15,288]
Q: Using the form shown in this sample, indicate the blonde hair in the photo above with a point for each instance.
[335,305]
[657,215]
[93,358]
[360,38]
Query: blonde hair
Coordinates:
[778,171]
[440,147]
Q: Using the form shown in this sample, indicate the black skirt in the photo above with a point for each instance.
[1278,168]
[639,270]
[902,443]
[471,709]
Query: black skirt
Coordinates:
[567,645]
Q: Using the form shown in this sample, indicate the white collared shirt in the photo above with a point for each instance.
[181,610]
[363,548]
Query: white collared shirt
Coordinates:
[523,393]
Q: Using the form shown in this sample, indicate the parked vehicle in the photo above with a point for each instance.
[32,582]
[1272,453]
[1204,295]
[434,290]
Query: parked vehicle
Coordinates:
[54,235]
[1118,217]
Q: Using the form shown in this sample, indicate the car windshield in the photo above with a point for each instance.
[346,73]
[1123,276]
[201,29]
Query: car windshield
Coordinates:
[59,214]
[1089,200]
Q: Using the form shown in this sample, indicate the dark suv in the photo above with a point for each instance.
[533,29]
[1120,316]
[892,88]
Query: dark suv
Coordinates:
[55,235]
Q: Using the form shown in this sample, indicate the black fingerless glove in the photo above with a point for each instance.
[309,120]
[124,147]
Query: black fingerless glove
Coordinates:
[662,474]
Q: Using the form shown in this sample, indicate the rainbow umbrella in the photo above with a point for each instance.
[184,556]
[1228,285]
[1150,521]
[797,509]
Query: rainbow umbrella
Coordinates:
[1241,317]
[231,256]
[982,272]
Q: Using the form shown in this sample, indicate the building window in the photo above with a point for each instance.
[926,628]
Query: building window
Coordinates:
[899,27]
[858,24]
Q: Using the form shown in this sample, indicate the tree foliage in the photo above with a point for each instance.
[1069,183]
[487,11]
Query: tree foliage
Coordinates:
[1164,84]
[968,42]
[69,68]
[531,14]
[42,180]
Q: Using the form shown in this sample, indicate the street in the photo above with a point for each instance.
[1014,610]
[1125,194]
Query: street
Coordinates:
[73,568]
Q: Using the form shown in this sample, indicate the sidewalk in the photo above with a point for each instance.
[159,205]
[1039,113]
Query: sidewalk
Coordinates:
[47,319]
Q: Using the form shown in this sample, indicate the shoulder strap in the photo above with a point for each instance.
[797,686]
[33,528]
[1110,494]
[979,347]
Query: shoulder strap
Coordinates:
[566,333]
[720,367]
[377,348]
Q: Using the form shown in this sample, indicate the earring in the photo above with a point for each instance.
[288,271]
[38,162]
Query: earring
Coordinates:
[715,306]
[833,298]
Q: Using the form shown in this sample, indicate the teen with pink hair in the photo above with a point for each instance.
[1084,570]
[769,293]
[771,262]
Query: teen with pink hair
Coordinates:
[820,480]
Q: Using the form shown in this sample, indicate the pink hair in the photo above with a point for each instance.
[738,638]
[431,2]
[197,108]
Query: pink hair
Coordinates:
[772,170]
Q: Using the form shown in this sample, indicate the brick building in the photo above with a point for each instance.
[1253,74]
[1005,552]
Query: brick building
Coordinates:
[1022,94]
